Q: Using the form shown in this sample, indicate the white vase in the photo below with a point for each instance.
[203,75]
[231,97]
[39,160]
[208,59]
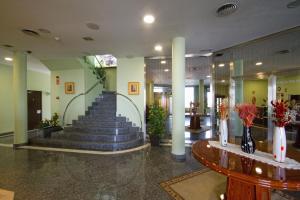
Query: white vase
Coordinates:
[223,132]
[279,144]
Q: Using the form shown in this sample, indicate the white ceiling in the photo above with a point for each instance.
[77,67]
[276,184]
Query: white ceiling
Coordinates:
[32,63]
[122,32]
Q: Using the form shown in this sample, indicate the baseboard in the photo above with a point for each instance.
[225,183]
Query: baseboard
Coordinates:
[6,133]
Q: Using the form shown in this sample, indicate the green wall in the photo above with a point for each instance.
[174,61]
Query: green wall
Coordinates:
[131,70]
[289,85]
[35,81]
[260,87]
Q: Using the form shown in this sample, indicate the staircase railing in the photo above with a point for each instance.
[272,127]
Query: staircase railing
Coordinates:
[81,94]
[135,106]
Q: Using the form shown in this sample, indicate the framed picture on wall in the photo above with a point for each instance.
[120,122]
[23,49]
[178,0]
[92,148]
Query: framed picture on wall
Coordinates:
[69,88]
[133,88]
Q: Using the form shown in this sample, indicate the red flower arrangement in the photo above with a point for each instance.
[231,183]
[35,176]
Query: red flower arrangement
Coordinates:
[224,109]
[281,113]
[247,112]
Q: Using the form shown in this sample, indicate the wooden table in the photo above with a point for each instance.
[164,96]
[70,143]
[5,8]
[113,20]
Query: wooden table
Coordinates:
[248,179]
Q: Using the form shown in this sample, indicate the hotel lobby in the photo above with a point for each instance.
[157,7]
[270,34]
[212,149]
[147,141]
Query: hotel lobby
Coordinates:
[184,100]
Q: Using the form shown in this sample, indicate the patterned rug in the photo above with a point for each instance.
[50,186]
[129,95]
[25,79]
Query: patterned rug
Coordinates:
[207,185]
[6,195]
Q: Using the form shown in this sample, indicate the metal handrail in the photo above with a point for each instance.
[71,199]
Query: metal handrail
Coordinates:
[84,93]
[137,109]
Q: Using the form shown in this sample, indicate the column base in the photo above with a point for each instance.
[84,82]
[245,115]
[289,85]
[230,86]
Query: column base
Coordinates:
[179,158]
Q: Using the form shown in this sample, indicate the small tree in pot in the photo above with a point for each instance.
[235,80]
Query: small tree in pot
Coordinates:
[156,124]
[50,126]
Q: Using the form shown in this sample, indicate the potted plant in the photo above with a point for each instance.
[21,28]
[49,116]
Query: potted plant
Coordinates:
[50,126]
[156,124]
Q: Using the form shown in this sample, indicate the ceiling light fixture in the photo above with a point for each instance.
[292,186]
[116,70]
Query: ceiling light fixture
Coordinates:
[158,47]
[163,62]
[166,70]
[149,19]
[293,4]
[223,81]
[258,63]
[8,59]
[56,38]
[208,76]
[221,65]
[226,9]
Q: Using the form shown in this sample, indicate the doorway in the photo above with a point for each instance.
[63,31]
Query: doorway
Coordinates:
[34,101]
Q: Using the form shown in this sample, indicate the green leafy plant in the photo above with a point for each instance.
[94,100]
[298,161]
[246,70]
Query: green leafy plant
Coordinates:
[157,120]
[52,122]
[99,72]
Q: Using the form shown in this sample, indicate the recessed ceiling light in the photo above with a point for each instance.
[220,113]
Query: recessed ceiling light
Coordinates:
[149,19]
[226,9]
[223,81]
[163,62]
[293,4]
[208,76]
[258,63]
[56,38]
[221,65]
[166,70]
[8,59]
[158,47]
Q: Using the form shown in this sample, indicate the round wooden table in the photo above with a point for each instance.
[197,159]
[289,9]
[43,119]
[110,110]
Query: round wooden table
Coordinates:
[247,178]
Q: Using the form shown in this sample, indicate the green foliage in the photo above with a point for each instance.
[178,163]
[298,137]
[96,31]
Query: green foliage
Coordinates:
[99,72]
[157,120]
[52,122]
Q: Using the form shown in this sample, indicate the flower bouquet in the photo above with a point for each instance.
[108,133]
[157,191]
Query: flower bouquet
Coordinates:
[247,113]
[223,128]
[281,117]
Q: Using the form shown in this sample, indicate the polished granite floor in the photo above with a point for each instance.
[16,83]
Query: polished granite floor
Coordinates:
[41,175]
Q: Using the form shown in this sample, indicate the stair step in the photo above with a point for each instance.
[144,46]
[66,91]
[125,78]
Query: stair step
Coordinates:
[103,146]
[102,130]
[107,124]
[78,136]
[102,119]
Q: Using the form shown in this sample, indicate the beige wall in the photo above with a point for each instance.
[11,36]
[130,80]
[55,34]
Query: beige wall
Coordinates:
[35,81]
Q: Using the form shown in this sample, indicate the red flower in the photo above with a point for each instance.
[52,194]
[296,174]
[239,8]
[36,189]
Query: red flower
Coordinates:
[280,113]
[247,112]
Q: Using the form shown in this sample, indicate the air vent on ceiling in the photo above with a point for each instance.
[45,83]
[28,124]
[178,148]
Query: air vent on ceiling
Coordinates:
[219,55]
[7,46]
[43,30]
[30,32]
[87,38]
[293,4]
[285,51]
[226,9]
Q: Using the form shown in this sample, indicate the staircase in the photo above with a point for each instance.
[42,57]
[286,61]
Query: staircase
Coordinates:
[99,129]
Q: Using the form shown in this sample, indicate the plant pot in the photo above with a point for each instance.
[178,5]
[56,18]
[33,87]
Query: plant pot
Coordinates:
[248,143]
[47,131]
[279,144]
[223,137]
[154,140]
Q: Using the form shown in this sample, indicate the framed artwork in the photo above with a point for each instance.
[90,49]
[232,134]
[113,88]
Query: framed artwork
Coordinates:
[69,88]
[133,88]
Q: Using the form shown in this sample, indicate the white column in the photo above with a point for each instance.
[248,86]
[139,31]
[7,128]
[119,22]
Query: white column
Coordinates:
[178,85]
[201,96]
[20,97]
[271,96]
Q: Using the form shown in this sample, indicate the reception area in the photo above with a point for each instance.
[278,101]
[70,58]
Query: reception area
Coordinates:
[150,100]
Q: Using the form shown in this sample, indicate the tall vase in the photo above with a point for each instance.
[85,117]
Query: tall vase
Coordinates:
[248,143]
[223,132]
[279,144]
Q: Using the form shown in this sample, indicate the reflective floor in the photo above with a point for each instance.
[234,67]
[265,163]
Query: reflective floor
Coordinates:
[40,175]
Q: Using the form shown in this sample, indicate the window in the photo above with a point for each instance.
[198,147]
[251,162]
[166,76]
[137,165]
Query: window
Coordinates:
[189,96]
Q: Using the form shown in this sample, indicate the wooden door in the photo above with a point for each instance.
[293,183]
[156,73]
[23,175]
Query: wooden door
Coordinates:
[34,101]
